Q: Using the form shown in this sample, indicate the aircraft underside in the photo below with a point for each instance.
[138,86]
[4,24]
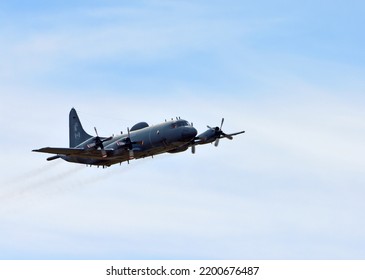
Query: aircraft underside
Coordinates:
[124,157]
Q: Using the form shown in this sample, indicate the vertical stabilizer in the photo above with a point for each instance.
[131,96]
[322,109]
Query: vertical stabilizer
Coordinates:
[77,133]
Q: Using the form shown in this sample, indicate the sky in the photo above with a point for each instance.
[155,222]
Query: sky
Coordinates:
[290,73]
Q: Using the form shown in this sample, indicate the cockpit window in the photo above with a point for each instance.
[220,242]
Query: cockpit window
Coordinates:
[179,124]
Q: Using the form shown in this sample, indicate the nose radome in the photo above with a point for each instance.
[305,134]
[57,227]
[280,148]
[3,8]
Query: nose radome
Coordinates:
[189,133]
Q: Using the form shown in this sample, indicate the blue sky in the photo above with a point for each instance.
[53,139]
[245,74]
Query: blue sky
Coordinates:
[290,74]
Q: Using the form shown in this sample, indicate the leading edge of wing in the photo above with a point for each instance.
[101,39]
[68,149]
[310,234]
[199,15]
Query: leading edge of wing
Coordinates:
[61,151]
[71,152]
[232,134]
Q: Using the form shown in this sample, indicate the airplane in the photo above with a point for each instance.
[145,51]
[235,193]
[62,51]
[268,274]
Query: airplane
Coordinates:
[142,140]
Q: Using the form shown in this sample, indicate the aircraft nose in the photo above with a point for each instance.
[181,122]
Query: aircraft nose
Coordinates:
[189,133]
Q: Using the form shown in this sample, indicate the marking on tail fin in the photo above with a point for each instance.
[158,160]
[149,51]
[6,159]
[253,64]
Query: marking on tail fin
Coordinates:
[77,132]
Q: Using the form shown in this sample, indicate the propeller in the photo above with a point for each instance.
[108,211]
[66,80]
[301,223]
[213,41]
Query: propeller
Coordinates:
[193,142]
[218,133]
[212,134]
[98,143]
[128,144]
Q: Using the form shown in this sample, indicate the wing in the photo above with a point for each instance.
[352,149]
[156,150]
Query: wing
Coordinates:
[229,136]
[78,152]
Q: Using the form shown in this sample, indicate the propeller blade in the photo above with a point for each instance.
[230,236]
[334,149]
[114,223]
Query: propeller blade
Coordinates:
[227,136]
[131,154]
[96,132]
[107,139]
[220,129]
[91,145]
[216,142]
[193,149]
[103,153]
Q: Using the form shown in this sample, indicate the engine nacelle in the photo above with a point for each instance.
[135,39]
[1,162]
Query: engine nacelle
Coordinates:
[208,136]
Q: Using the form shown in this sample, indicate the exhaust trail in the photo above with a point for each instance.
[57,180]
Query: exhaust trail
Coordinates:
[25,185]
[31,190]
[30,174]
[15,183]
[54,178]
[80,182]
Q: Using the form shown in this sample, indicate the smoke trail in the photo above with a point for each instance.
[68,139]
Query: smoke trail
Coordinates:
[54,178]
[80,182]
[32,186]
[11,187]
[30,182]
[33,173]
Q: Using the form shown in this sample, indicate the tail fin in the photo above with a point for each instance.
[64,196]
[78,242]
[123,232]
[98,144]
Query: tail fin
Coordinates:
[77,133]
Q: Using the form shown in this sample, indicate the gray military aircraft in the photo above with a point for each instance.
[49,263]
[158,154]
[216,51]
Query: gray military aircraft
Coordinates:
[141,141]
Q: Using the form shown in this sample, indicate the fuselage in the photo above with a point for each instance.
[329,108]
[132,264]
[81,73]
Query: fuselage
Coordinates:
[170,136]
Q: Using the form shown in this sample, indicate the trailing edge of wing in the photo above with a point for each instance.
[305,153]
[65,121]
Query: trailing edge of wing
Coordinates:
[71,152]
